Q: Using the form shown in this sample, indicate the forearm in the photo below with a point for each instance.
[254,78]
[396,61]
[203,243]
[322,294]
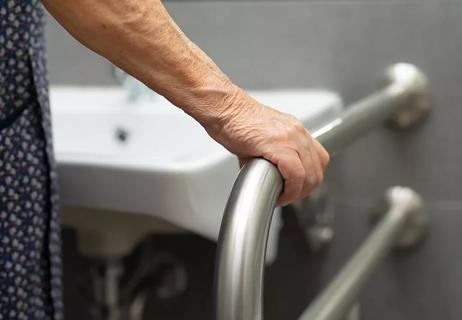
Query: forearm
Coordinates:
[141,38]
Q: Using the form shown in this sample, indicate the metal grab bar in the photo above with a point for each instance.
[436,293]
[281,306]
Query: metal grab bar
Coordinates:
[404,223]
[248,213]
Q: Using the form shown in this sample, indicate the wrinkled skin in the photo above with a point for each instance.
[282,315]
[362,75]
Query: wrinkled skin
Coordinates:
[140,37]
[251,130]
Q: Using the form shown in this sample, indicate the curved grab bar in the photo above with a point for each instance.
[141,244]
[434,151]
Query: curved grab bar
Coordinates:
[248,213]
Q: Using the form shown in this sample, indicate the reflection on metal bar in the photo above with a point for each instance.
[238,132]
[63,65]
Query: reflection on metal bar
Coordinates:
[404,219]
[248,213]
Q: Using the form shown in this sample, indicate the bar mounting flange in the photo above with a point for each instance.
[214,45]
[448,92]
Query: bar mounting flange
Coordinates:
[406,77]
[407,201]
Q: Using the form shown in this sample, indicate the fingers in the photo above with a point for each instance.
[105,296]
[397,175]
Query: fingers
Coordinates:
[312,163]
[313,171]
[324,156]
[293,172]
[283,140]
[302,168]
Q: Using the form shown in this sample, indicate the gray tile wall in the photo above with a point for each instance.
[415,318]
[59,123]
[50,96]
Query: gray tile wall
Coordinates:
[345,46]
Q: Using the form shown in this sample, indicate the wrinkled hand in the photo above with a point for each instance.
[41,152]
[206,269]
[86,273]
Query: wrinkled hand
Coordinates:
[250,129]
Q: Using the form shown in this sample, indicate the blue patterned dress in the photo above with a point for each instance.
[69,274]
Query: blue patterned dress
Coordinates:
[30,257]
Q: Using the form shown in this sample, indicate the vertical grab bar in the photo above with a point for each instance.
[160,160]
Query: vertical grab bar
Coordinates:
[244,231]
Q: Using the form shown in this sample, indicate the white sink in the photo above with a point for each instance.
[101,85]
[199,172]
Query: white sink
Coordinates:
[167,166]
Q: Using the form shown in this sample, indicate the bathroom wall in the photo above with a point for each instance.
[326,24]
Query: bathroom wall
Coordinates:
[345,46]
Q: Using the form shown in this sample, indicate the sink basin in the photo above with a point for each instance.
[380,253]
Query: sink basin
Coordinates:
[150,158]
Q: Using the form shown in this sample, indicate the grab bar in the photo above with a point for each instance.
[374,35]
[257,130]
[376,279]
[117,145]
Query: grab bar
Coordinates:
[403,224]
[247,217]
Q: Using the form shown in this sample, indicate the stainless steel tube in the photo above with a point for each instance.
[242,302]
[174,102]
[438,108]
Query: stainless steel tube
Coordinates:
[241,249]
[248,213]
[405,213]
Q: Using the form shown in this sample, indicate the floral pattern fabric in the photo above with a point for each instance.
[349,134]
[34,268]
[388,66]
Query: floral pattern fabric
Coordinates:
[30,249]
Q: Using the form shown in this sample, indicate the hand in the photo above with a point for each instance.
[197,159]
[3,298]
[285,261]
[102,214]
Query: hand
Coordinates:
[250,129]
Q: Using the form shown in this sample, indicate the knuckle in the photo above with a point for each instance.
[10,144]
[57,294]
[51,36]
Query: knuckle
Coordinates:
[293,123]
[298,126]
[282,136]
[291,131]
